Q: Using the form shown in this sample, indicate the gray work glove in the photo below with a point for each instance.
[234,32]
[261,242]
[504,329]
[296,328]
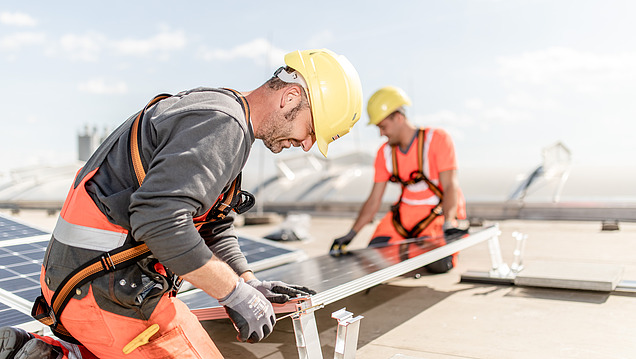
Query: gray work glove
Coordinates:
[454,231]
[251,313]
[339,245]
[279,292]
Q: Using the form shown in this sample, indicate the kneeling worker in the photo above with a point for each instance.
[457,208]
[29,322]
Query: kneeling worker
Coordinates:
[423,162]
[152,206]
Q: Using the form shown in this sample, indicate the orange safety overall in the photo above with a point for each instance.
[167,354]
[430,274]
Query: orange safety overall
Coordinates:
[103,333]
[417,226]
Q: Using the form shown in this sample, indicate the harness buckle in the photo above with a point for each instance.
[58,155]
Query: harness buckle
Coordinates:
[53,317]
[107,262]
[177,281]
[246,201]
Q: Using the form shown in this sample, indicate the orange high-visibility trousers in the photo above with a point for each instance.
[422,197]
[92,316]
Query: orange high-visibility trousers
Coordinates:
[69,350]
[431,237]
[105,334]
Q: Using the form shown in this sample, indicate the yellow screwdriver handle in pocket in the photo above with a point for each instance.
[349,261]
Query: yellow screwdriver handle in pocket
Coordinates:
[141,339]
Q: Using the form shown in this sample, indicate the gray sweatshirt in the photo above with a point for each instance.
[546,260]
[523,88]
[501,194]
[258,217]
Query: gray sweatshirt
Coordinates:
[193,145]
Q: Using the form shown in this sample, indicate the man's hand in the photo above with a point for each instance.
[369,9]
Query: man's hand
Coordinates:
[251,313]
[279,292]
[339,245]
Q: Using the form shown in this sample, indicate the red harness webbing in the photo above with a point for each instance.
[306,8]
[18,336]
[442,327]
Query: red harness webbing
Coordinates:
[415,177]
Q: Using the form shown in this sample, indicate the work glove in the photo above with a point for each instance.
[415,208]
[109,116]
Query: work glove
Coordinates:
[279,292]
[453,232]
[339,245]
[250,312]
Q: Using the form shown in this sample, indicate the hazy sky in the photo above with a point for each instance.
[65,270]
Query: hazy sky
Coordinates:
[505,78]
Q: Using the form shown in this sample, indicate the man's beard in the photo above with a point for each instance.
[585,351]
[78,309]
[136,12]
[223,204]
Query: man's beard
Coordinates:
[276,131]
[278,128]
[393,141]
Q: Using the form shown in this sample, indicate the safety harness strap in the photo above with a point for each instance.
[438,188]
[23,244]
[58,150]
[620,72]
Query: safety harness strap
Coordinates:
[415,177]
[107,262]
[135,139]
[234,199]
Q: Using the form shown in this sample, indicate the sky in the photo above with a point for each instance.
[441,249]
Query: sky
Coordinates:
[505,78]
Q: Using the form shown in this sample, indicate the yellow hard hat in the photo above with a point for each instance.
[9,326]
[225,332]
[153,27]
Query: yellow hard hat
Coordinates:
[334,91]
[384,102]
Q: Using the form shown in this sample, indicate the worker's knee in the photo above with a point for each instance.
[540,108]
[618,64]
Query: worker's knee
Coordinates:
[441,266]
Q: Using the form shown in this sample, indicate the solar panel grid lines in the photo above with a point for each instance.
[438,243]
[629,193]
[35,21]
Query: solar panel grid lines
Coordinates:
[12,317]
[22,250]
[12,229]
[20,267]
[263,253]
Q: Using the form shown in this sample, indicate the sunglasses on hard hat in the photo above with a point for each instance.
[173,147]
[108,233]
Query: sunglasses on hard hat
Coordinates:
[294,77]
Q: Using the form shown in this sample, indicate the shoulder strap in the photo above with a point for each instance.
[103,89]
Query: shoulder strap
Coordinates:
[420,149]
[234,199]
[241,99]
[135,140]
[418,175]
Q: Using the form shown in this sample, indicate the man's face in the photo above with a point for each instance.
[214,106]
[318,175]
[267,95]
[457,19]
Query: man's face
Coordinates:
[389,127]
[290,126]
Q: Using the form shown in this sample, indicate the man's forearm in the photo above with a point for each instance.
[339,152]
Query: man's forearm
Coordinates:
[449,205]
[448,179]
[215,278]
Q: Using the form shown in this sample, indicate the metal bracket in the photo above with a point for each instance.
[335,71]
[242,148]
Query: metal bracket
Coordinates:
[306,332]
[499,271]
[347,335]
[520,245]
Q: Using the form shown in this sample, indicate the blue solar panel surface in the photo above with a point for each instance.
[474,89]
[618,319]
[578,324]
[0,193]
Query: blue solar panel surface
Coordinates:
[12,230]
[20,269]
[20,263]
[255,251]
[12,317]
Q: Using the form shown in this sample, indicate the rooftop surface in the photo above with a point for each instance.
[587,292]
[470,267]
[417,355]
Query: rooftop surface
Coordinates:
[438,316]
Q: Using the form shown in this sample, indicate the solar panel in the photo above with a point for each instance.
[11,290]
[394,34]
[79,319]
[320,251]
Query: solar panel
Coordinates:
[20,269]
[334,278]
[22,249]
[12,317]
[263,253]
[10,229]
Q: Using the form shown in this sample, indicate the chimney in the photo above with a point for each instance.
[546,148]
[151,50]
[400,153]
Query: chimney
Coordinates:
[87,142]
